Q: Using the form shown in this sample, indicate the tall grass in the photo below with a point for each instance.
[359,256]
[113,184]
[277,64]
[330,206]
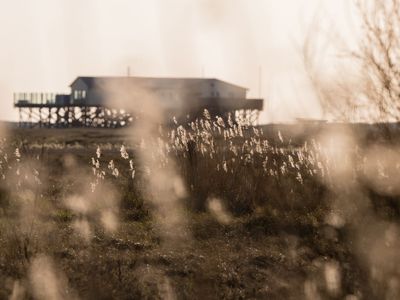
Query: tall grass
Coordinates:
[232,171]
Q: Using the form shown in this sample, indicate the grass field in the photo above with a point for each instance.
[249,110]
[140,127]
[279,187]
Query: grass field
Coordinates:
[210,211]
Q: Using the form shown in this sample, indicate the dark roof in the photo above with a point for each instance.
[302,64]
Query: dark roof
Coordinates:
[92,81]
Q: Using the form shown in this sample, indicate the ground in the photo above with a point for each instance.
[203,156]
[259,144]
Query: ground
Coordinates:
[274,251]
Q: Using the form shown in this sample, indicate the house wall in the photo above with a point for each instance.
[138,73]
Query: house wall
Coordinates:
[96,97]
[219,89]
[168,94]
[225,90]
[79,91]
[93,96]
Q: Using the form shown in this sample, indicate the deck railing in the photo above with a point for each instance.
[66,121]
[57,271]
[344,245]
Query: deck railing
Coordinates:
[34,98]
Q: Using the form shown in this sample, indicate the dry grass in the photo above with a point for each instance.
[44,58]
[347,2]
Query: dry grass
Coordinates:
[254,214]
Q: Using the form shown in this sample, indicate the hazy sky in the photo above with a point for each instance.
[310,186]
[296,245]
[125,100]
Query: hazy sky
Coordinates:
[45,44]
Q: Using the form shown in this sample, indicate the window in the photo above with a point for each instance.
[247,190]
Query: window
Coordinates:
[79,94]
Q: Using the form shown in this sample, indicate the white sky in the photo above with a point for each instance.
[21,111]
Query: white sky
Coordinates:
[45,44]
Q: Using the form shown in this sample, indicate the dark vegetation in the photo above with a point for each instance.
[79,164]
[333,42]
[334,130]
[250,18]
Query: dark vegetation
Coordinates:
[295,213]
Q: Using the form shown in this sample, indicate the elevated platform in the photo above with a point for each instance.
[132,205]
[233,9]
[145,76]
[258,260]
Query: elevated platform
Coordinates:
[46,100]
[51,105]
[59,110]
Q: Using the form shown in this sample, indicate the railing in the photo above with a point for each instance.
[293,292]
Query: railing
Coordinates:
[34,98]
